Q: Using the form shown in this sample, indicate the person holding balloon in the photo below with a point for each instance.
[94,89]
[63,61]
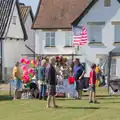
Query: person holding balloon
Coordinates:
[41,80]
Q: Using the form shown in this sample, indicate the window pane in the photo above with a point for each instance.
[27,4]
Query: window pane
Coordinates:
[52,41]
[117,33]
[95,33]
[69,39]
[48,34]
[113,67]
[47,41]
[52,34]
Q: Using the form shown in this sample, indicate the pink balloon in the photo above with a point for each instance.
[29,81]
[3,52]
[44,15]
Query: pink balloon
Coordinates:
[25,73]
[27,61]
[34,62]
[24,68]
[30,70]
[26,79]
[22,60]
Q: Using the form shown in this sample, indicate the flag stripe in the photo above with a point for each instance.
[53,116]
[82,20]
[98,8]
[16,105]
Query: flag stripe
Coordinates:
[80,37]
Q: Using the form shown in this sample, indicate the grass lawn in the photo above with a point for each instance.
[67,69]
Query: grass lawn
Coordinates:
[108,109]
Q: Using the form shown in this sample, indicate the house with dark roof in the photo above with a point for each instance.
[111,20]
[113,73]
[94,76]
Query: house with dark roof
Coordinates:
[14,33]
[102,20]
[27,18]
[53,25]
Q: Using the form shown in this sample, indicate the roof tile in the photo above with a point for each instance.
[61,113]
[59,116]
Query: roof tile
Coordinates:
[58,13]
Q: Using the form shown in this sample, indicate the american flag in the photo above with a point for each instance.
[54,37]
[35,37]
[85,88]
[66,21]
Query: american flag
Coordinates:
[80,36]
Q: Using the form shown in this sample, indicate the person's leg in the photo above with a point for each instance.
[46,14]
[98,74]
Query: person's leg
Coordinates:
[49,101]
[44,92]
[94,94]
[80,96]
[94,97]
[54,103]
[80,89]
[15,94]
[41,91]
[77,90]
[90,97]
[16,88]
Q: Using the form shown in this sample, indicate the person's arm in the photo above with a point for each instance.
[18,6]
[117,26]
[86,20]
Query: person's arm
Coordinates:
[91,77]
[83,73]
[15,72]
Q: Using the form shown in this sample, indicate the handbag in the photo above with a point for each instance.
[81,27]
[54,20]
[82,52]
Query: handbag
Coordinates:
[71,80]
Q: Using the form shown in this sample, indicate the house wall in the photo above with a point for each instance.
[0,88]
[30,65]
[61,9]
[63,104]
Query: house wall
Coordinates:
[31,35]
[13,46]
[60,37]
[15,30]
[99,13]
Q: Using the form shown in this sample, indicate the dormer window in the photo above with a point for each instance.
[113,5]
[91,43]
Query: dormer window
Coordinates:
[107,3]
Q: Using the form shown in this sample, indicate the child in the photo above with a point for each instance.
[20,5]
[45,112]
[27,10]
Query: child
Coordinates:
[92,82]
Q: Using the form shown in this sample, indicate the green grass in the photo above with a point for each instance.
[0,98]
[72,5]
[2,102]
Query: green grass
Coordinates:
[108,109]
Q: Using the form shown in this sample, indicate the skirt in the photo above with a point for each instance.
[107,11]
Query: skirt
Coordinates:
[52,90]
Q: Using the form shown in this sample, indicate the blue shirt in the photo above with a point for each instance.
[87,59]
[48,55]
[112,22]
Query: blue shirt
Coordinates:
[78,70]
[41,73]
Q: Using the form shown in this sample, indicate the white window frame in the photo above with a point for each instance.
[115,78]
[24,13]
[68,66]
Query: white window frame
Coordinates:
[14,20]
[107,3]
[49,36]
[69,39]
[92,36]
[117,34]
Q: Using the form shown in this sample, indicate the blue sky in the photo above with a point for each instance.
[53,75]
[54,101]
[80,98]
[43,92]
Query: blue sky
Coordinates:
[33,3]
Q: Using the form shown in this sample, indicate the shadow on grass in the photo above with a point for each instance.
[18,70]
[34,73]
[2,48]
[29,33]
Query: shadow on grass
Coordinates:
[112,102]
[5,98]
[84,108]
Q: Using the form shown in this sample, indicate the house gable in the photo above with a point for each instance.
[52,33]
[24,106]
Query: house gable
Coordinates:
[5,13]
[86,11]
[17,28]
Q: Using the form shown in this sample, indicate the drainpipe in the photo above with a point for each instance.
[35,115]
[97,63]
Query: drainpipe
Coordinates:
[1,47]
[30,50]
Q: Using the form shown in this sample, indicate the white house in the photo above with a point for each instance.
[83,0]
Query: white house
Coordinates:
[102,20]
[13,35]
[27,18]
[53,25]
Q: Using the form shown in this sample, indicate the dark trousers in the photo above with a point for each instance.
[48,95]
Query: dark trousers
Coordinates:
[43,89]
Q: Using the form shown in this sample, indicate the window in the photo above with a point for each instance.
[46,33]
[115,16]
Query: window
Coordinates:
[50,39]
[107,3]
[117,33]
[95,33]
[14,20]
[113,67]
[69,39]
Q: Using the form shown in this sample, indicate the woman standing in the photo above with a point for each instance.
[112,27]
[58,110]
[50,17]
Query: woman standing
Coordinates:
[66,73]
[41,79]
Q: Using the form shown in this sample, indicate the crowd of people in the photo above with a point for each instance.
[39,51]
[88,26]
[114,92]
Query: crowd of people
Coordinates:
[48,73]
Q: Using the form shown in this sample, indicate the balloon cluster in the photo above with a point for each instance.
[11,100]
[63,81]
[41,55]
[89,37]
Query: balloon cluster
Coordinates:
[28,69]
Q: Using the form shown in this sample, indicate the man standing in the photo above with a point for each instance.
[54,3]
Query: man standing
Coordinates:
[17,78]
[51,80]
[79,72]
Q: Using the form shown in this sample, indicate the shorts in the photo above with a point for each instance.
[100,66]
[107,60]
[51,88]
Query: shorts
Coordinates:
[79,85]
[52,90]
[18,84]
[92,88]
